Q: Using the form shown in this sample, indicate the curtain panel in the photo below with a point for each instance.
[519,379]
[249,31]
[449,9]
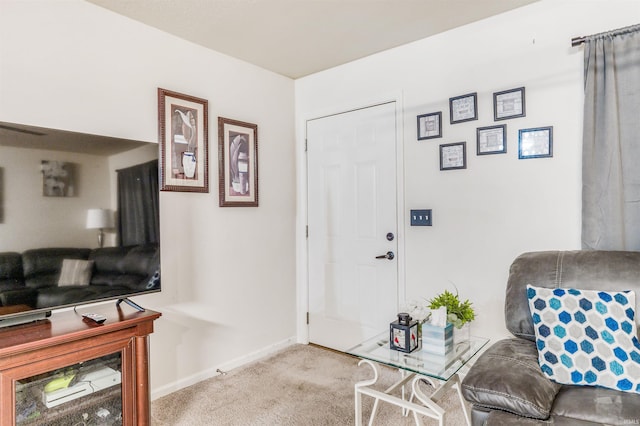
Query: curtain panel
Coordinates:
[138,204]
[611,141]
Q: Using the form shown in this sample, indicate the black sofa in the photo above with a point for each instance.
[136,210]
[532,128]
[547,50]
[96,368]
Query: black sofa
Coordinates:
[31,278]
[506,385]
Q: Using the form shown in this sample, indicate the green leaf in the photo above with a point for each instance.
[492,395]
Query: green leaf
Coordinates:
[462,310]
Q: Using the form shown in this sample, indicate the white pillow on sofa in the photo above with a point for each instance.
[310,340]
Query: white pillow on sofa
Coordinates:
[75,272]
[587,337]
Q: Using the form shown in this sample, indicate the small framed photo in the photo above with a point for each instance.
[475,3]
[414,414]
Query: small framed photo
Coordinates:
[491,140]
[430,125]
[453,156]
[535,143]
[463,108]
[183,139]
[58,178]
[508,104]
[237,163]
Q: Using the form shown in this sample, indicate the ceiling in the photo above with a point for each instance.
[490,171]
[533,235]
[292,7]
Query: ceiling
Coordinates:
[31,137]
[296,38]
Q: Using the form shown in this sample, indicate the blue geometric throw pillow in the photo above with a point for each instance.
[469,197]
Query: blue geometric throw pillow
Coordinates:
[587,337]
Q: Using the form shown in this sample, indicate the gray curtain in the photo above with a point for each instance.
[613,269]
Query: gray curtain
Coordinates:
[138,205]
[611,141]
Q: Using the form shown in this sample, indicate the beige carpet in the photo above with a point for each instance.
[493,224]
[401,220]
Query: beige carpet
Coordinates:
[301,385]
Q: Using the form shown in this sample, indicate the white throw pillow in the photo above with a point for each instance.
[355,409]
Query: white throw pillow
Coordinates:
[75,272]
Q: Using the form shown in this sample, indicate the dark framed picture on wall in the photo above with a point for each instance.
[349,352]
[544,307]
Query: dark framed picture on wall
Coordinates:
[58,178]
[453,156]
[430,126]
[183,139]
[491,140]
[508,104]
[535,143]
[463,108]
[237,163]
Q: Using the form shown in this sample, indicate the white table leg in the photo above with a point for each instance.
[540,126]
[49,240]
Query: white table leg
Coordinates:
[438,412]
[440,389]
[358,388]
[458,386]
[429,408]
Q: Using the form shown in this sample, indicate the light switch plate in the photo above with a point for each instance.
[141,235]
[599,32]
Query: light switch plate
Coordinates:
[421,217]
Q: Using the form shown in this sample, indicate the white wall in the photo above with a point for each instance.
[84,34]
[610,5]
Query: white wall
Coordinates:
[227,273]
[499,206]
[32,220]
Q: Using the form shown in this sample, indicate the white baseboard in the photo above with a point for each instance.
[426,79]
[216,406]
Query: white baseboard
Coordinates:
[227,366]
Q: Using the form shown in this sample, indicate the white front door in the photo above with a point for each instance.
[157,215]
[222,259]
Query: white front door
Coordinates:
[352,220]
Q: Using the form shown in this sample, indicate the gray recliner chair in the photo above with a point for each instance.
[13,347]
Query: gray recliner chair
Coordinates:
[506,385]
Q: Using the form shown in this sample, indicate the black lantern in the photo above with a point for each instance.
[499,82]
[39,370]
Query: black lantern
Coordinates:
[403,334]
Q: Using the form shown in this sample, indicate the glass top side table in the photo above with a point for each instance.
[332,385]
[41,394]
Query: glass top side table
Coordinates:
[441,371]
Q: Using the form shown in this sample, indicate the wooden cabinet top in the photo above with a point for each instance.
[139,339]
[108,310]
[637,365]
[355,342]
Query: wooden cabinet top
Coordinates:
[68,326]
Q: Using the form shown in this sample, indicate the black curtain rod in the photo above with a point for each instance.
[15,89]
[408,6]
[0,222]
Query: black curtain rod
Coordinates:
[577,41]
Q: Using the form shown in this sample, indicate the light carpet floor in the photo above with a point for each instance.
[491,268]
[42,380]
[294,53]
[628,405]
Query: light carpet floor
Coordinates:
[300,385]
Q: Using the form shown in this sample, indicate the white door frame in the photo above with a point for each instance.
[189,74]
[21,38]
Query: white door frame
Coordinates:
[302,253]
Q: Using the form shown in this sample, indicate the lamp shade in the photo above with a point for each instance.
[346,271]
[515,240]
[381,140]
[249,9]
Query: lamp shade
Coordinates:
[99,219]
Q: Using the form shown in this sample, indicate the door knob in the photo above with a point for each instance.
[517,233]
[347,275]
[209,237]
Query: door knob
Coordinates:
[389,255]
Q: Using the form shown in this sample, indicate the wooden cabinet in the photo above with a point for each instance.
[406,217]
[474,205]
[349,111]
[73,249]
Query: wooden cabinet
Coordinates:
[66,341]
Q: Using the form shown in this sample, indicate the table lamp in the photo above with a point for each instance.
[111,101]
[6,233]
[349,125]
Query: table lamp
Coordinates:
[99,219]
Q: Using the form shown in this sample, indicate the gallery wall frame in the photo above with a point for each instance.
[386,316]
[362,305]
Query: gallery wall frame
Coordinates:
[429,125]
[453,156]
[183,131]
[491,140]
[509,104]
[237,163]
[463,108]
[535,142]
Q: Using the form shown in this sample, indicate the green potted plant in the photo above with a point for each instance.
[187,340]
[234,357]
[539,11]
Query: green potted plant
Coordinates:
[458,313]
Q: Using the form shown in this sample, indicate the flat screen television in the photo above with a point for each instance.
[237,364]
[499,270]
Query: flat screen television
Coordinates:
[72,229]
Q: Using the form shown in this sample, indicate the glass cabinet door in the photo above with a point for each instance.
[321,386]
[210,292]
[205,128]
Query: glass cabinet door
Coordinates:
[87,393]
